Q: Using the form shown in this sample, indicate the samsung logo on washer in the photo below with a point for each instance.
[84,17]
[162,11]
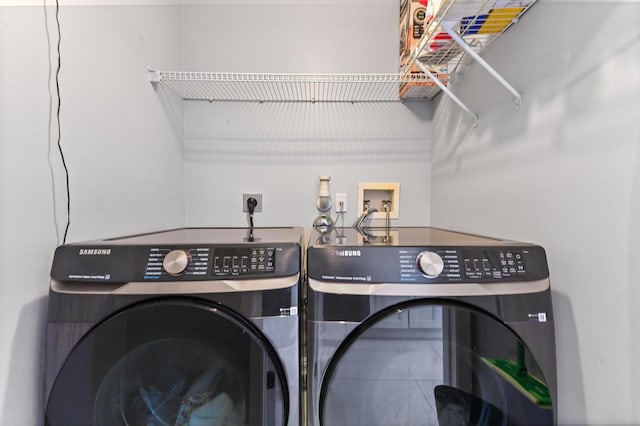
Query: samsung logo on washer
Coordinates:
[346,253]
[95,252]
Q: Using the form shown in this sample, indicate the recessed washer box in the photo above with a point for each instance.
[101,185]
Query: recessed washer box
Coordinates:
[376,193]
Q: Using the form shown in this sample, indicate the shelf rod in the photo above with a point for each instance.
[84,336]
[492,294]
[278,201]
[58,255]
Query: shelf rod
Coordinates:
[448,27]
[446,90]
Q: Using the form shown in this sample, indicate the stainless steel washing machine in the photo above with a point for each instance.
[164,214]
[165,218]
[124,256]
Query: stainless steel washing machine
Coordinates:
[182,327]
[418,326]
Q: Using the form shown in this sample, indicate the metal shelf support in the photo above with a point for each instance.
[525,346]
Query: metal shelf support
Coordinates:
[448,27]
[449,93]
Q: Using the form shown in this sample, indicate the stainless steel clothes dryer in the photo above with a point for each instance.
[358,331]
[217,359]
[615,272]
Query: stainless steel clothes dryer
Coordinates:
[418,326]
[183,327]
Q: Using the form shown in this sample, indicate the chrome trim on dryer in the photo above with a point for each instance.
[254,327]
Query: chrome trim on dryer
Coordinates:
[176,287]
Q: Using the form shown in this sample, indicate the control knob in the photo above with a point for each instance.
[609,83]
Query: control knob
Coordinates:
[176,261]
[430,264]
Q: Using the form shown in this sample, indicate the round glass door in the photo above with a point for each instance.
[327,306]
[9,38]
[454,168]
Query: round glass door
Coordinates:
[426,363]
[171,362]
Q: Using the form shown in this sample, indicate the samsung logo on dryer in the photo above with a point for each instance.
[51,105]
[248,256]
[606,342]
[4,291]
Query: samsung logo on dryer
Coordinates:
[346,253]
[94,252]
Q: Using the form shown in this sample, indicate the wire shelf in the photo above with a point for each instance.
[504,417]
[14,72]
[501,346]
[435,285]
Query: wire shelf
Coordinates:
[478,22]
[287,87]
[458,32]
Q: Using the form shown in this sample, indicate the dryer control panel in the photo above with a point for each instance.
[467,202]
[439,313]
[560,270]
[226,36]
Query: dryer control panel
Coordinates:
[213,261]
[124,263]
[436,264]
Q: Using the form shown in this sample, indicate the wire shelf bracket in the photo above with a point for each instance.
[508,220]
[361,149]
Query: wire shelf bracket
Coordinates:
[448,27]
[449,93]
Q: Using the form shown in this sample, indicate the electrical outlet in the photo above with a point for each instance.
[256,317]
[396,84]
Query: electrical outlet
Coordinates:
[341,203]
[258,198]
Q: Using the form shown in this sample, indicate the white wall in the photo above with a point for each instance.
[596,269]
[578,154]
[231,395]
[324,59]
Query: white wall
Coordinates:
[563,171]
[125,164]
[280,150]
[124,150]
[123,141]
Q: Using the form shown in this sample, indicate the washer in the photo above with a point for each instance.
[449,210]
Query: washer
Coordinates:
[181,327]
[415,326]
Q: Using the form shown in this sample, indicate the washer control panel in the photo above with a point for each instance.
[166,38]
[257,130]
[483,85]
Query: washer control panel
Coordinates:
[462,264]
[379,264]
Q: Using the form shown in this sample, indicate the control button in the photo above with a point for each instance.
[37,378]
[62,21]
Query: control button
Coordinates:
[176,261]
[430,264]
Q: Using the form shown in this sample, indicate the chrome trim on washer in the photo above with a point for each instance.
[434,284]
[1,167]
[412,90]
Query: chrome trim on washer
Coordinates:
[431,290]
[175,287]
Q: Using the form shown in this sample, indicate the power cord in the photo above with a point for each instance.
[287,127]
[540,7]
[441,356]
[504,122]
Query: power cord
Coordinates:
[64,162]
[252,203]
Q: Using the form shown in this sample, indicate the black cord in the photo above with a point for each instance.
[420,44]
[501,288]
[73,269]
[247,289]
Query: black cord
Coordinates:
[64,162]
[252,203]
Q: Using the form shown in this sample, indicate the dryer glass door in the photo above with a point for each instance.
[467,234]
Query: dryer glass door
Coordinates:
[421,363]
[171,362]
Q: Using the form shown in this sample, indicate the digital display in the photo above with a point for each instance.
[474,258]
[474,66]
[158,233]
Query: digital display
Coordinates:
[241,261]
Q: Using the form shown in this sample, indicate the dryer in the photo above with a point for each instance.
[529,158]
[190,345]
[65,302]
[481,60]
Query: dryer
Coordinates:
[193,326]
[417,326]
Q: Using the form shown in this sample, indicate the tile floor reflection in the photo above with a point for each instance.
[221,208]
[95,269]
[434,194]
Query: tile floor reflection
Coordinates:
[387,382]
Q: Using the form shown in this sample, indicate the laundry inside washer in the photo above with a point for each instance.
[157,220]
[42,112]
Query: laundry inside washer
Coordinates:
[418,326]
[182,327]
